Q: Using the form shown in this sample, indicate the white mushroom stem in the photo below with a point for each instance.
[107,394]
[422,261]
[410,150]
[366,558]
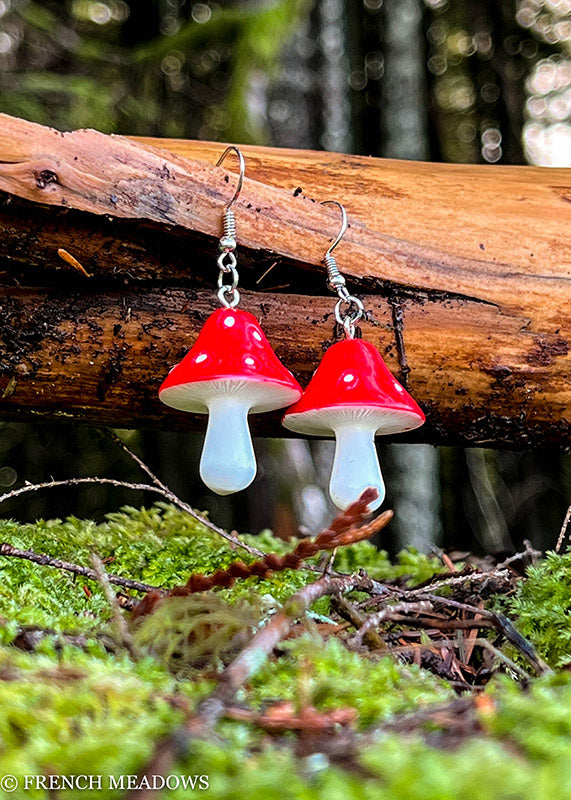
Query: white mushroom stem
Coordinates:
[228,463]
[356,465]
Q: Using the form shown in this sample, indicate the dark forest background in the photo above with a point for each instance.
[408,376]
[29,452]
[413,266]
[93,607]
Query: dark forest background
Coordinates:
[472,81]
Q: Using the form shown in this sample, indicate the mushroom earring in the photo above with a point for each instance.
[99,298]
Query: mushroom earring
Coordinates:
[354,397]
[230,371]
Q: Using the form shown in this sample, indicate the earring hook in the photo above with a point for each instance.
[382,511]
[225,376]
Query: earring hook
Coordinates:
[233,148]
[339,205]
[336,281]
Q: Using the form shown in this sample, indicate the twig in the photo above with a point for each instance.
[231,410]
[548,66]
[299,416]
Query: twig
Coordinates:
[388,614]
[73,262]
[125,638]
[284,717]
[503,625]
[45,560]
[35,487]
[445,558]
[468,647]
[445,624]
[563,530]
[485,643]
[458,580]
[348,611]
[255,653]
[409,722]
[176,501]
[529,552]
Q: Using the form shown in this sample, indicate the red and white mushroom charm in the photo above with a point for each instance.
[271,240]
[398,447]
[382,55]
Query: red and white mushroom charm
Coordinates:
[230,372]
[354,397]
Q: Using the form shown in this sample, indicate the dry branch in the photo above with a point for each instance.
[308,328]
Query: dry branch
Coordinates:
[48,561]
[502,624]
[467,270]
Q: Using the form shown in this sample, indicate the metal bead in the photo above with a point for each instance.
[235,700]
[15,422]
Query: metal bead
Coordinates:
[227,243]
[336,281]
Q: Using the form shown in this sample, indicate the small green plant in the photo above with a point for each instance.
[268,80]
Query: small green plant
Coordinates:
[542,608]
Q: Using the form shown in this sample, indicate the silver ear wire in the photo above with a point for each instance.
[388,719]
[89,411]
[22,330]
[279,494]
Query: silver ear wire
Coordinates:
[233,149]
[227,245]
[336,281]
[341,233]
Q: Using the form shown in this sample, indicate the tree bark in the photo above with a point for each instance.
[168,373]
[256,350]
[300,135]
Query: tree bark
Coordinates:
[465,273]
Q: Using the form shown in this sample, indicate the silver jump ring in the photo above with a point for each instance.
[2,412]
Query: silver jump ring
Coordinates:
[227,261]
[231,271]
[349,319]
[233,292]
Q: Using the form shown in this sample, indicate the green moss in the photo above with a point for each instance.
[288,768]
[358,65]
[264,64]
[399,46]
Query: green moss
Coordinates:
[64,710]
[102,714]
[542,608]
[331,676]
[525,753]
[410,564]
[161,546]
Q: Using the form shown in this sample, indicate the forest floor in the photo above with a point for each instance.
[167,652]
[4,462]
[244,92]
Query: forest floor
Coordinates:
[288,675]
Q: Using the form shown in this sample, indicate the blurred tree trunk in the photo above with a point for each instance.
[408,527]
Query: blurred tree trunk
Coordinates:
[413,476]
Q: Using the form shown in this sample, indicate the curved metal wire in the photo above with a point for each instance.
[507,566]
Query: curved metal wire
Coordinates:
[234,149]
[339,205]
[336,281]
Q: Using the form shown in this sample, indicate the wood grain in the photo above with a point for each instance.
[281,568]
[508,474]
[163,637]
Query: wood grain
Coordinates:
[475,260]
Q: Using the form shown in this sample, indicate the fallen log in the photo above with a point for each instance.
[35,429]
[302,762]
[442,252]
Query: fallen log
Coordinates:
[465,272]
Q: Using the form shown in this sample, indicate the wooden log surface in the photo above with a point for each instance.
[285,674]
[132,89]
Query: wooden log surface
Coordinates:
[465,272]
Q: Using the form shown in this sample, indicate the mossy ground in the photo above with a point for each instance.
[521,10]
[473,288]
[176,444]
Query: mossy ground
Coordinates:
[70,709]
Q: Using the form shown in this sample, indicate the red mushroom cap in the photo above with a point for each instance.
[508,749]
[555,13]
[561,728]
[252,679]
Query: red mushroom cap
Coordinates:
[353,376]
[231,349]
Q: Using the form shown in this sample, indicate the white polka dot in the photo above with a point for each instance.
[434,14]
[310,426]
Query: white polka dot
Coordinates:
[229,321]
[257,336]
[249,361]
[202,357]
[398,387]
[348,377]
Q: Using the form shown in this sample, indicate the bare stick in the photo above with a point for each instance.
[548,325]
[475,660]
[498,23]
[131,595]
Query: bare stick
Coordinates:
[253,656]
[352,614]
[387,614]
[485,643]
[529,552]
[35,487]
[458,580]
[47,561]
[503,625]
[125,638]
[563,530]
[144,487]
[175,500]
[408,722]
